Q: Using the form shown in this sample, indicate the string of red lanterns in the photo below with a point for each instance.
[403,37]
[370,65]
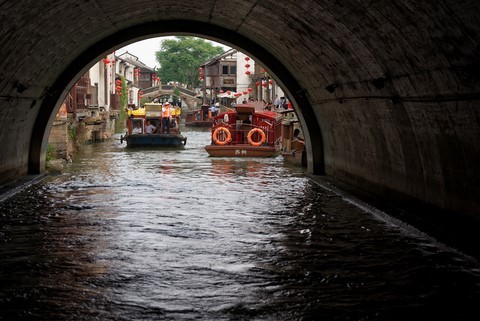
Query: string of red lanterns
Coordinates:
[247,65]
[118,86]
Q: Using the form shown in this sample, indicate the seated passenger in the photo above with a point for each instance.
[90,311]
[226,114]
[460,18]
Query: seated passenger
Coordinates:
[137,129]
[298,143]
[149,129]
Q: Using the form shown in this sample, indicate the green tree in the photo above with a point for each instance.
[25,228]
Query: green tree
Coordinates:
[176,95]
[123,97]
[120,123]
[180,58]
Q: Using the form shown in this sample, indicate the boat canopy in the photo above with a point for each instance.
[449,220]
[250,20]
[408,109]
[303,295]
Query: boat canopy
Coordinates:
[242,109]
[137,112]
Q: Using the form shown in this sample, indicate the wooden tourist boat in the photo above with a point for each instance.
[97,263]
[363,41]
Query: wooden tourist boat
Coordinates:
[137,123]
[199,118]
[246,131]
[293,146]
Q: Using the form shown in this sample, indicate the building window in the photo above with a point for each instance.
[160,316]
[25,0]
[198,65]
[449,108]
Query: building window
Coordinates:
[233,70]
[225,70]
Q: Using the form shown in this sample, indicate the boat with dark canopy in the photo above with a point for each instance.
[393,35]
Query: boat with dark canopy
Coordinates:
[139,136]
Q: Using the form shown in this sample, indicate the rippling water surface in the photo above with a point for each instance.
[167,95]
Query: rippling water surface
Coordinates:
[177,235]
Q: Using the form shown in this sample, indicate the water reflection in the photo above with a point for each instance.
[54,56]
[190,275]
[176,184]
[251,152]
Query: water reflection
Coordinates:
[169,235]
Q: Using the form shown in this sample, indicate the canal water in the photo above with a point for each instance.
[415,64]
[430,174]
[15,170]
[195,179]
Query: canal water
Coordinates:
[177,235]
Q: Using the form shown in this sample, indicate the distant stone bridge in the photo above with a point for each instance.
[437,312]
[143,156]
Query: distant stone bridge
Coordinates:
[187,95]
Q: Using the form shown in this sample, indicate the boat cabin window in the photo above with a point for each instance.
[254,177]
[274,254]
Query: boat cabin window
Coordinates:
[137,126]
[243,117]
[155,122]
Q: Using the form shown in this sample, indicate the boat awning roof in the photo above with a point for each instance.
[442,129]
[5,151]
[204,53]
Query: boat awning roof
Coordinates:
[138,112]
[286,111]
[245,109]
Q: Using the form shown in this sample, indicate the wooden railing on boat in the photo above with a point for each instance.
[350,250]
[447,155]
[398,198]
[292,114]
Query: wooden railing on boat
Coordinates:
[239,134]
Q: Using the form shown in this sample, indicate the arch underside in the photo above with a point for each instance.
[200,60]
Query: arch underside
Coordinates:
[386,92]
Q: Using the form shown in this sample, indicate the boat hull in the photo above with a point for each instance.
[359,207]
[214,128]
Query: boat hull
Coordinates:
[155,140]
[297,158]
[241,151]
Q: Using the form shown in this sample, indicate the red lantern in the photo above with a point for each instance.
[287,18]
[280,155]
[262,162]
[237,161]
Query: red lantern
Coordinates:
[245,92]
[140,93]
[250,89]
[264,84]
[118,82]
[247,66]
[229,92]
[106,61]
[247,58]
[118,88]
[247,72]
[113,61]
[257,83]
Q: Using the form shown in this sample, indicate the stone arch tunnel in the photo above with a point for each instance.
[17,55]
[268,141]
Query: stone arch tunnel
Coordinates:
[387,92]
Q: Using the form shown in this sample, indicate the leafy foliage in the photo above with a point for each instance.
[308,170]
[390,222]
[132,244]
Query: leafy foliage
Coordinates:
[120,123]
[180,58]
[124,96]
[49,155]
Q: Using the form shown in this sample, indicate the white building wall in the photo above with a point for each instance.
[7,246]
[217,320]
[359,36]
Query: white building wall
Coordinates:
[97,76]
[243,80]
[111,67]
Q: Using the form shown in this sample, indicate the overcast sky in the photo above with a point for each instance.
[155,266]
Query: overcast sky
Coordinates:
[145,50]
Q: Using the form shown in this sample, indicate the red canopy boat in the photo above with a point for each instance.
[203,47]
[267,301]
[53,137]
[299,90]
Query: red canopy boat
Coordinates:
[245,131]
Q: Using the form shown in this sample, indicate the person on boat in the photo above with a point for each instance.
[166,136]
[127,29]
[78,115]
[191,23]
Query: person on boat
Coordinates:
[297,142]
[166,114]
[177,112]
[137,129]
[296,138]
[283,103]
[213,110]
[149,129]
[289,105]
[276,102]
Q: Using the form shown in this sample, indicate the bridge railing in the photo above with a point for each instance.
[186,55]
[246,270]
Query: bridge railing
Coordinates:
[170,88]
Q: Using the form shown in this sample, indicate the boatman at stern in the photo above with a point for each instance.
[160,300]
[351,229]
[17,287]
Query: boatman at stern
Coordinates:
[166,114]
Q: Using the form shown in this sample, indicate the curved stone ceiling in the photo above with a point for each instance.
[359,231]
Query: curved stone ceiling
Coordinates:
[387,91]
